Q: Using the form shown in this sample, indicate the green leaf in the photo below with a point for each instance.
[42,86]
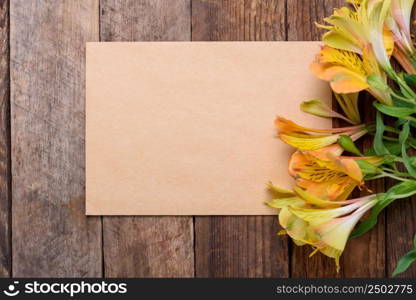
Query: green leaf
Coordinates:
[401,103]
[401,190]
[405,262]
[410,79]
[404,135]
[400,122]
[404,88]
[348,144]
[388,159]
[393,147]
[378,137]
[398,112]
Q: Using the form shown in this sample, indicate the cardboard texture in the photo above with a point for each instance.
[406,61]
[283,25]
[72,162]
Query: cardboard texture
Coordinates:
[186,128]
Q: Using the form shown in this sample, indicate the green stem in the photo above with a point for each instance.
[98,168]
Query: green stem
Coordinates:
[400,97]
[395,177]
[389,138]
[403,85]
[410,118]
[396,173]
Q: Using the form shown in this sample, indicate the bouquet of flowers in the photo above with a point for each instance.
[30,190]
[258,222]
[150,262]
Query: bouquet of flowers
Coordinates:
[367,47]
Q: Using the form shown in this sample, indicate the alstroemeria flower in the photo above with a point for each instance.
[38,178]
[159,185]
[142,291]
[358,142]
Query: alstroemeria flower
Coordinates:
[331,177]
[327,175]
[361,28]
[347,72]
[326,228]
[332,227]
[325,225]
[298,197]
[345,32]
[399,23]
[295,227]
[305,138]
[373,15]
[299,230]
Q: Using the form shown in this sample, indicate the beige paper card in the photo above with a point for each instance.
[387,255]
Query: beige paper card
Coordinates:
[186,128]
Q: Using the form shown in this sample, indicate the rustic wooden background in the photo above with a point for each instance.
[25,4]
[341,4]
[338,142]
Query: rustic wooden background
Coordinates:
[43,230]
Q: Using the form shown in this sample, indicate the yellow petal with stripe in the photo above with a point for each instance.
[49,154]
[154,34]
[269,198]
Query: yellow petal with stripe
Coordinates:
[316,217]
[283,202]
[280,192]
[308,142]
[336,232]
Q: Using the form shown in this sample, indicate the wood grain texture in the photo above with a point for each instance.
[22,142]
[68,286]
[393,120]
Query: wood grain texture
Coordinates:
[147,246]
[364,256]
[401,228]
[51,234]
[5,180]
[145,20]
[244,246]
[238,20]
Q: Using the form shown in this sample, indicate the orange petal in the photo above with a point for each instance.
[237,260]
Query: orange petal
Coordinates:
[344,81]
[348,166]
[286,125]
[322,153]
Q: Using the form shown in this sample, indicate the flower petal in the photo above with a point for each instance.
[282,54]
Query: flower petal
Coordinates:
[283,202]
[317,217]
[336,232]
[283,124]
[308,142]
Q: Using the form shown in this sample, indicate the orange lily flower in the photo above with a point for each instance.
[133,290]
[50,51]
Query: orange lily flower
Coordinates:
[362,28]
[347,72]
[331,228]
[399,22]
[324,225]
[327,175]
[333,178]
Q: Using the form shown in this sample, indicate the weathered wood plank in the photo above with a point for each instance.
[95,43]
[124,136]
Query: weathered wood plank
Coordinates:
[401,224]
[51,235]
[243,246]
[147,246]
[5,233]
[365,256]
[238,20]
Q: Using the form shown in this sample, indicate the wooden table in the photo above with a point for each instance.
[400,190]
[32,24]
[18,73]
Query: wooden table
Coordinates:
[43,229]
